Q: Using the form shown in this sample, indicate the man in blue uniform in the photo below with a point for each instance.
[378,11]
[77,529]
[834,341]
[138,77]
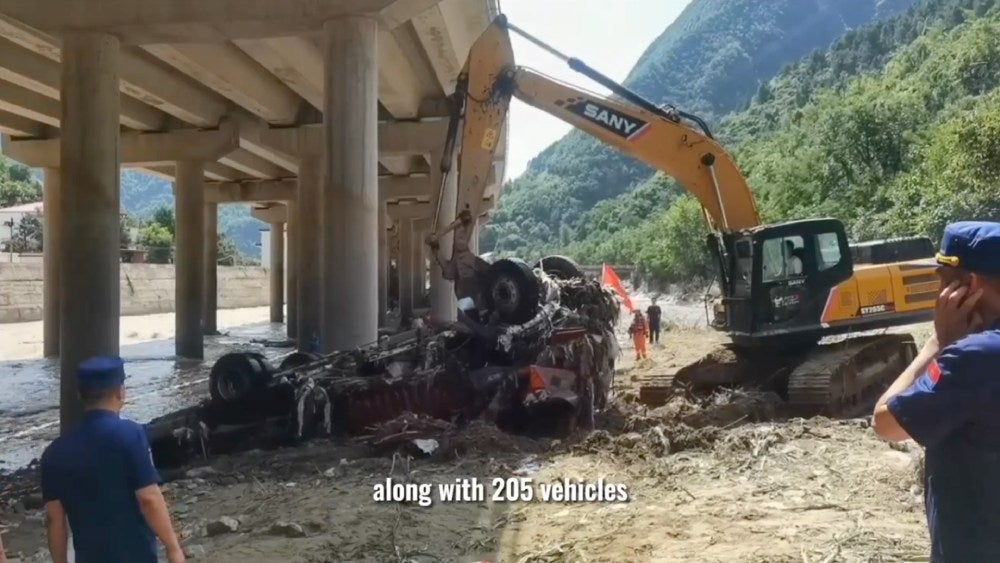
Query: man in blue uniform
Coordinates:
[100,477]
[948,399]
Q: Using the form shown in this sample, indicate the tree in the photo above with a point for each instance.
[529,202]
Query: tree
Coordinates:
[28,234]
[158,241]
[229,253]
[126,225]
[164,216]
[16,184]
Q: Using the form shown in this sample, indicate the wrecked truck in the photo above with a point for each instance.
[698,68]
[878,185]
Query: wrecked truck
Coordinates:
[537,358]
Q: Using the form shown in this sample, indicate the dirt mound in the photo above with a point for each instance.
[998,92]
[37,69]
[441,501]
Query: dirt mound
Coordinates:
[654,442]
[752,442]
[633,432]
[728,408]
[481,438]
[723,409]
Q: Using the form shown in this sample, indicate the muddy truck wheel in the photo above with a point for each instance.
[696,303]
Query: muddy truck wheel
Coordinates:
[238,376]
[512,290]
[560,267]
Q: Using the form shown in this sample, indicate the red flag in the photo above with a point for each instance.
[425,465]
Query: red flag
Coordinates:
[610,278]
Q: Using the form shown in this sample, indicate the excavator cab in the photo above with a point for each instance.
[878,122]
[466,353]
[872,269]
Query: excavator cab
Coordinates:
[780,277]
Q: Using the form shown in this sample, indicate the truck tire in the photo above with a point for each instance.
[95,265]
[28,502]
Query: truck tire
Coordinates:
[560,267]
[237,376]
[512,290]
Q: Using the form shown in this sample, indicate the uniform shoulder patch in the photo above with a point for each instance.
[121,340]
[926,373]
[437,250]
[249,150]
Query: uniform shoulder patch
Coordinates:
[934,371]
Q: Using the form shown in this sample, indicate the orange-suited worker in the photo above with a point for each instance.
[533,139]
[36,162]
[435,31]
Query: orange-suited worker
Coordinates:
[639,329]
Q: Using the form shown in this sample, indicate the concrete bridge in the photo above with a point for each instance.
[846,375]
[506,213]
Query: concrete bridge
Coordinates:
[329,114]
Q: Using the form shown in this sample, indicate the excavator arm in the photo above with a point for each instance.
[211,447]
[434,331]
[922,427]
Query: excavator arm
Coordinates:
[631,124]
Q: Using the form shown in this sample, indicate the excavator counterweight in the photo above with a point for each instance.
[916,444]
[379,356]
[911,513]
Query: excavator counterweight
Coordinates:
[785,287]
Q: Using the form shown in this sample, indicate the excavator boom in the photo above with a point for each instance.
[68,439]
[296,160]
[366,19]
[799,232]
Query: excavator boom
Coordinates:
[656,137]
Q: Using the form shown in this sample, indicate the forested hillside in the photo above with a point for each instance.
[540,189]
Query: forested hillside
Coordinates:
[143,194]
[710,61]
[143,197]
[894,130]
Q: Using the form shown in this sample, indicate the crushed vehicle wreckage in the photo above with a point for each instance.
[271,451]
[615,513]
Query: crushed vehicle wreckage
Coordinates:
[536,358]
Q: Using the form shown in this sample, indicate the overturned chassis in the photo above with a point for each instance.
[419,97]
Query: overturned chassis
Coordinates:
[537,359]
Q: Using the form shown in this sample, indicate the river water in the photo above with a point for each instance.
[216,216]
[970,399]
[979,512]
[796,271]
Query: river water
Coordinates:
[157,383]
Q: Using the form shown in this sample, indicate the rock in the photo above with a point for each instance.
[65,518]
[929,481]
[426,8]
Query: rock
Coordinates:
[200,472]
[33,502]
[287,530]
[315,526]
[195,551]
[630,440]
[657,441]
[332,472]
[192,530]
[426,446]
[224,525]
[181,508]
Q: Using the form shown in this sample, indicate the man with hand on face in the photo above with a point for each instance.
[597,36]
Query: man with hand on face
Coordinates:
[99,477]
[948,399]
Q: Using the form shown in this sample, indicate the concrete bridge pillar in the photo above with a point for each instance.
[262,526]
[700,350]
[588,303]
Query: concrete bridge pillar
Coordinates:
[392,264]
[277,272]
[210,314]
[418,281]
[350,194]
[383,263]
[292,270]
[406,267]
[89,299]
[189,259]
[443,303]
[51,220]
[308,251]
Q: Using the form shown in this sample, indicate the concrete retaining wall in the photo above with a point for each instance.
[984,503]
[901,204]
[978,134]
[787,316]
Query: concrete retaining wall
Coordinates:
[145,289]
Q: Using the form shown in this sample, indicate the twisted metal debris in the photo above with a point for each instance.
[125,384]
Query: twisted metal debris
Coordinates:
[545,375]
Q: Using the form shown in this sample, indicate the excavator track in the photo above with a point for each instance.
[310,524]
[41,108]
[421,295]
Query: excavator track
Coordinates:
[837,379]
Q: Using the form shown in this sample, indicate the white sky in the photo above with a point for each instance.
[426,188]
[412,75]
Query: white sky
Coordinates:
[608,35]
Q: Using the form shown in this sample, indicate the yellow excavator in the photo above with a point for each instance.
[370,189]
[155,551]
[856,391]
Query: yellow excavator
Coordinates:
[785,288]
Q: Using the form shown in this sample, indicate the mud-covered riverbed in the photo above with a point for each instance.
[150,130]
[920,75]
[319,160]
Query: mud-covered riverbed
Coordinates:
[157,384]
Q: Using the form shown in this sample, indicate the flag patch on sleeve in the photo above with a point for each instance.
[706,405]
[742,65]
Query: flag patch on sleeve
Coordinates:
[934,371]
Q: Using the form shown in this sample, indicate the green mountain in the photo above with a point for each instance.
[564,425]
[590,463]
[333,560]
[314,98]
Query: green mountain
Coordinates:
[142,194]
[710,61]
[895,129]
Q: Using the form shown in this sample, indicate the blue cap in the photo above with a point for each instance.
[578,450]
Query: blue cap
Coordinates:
[101,371]
[973,246]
